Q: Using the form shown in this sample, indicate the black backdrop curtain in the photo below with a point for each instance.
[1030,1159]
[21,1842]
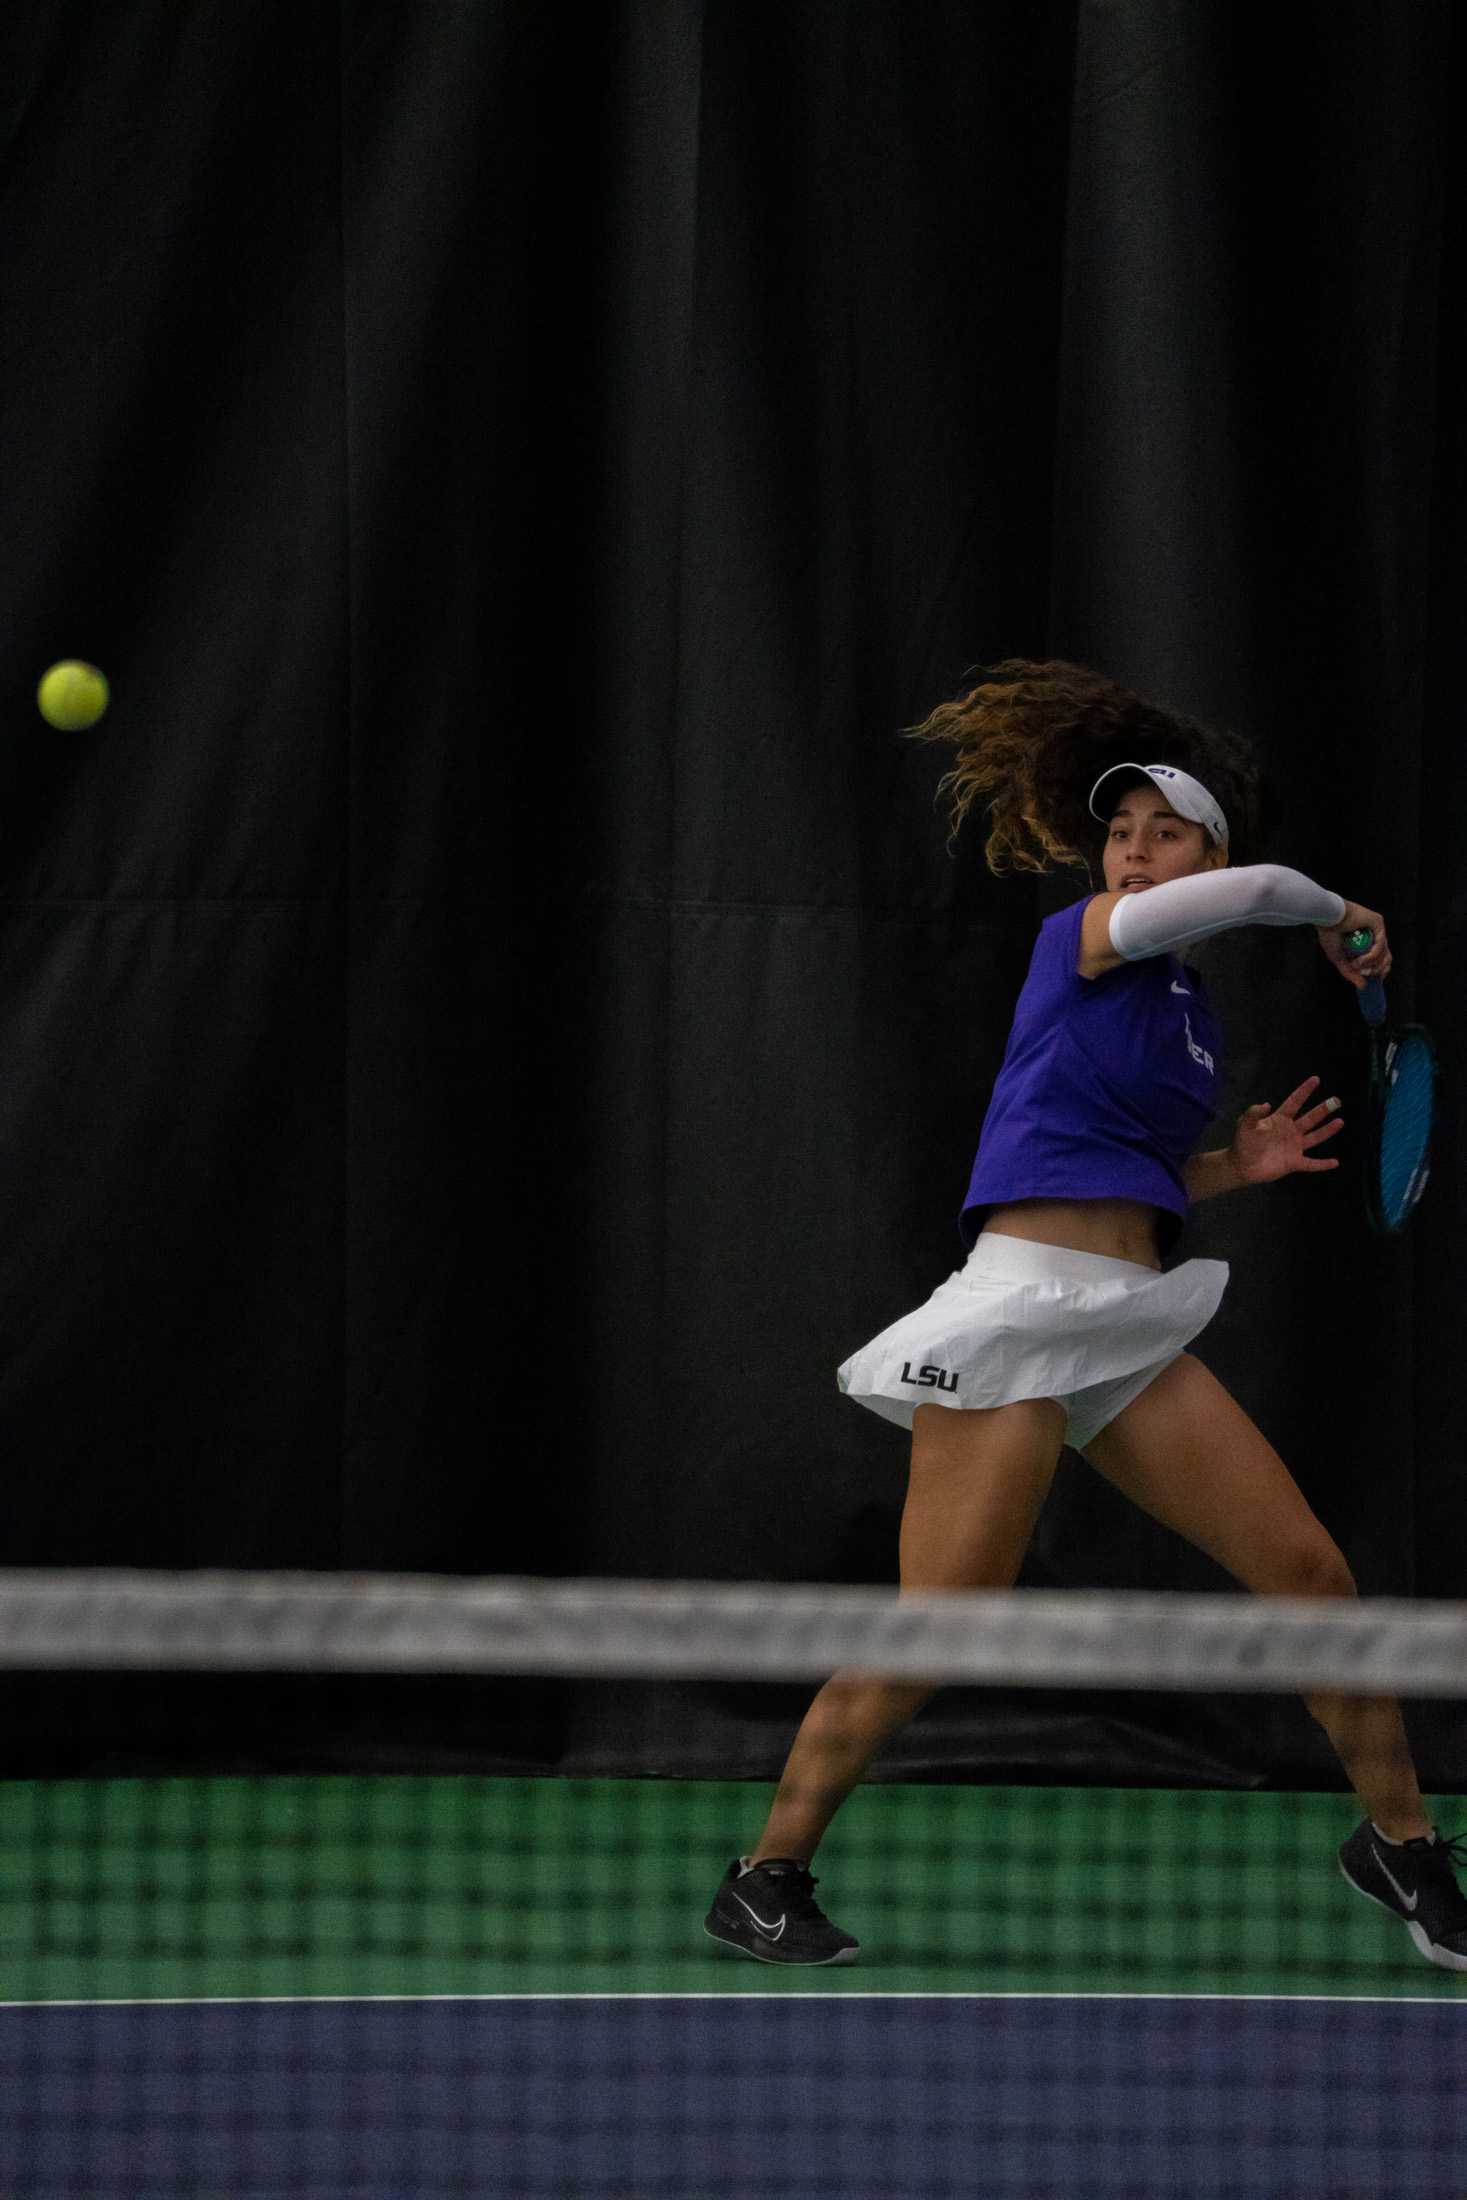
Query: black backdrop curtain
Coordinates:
[489,1020]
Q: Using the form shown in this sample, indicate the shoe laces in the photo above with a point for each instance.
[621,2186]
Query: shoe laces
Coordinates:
[796,1887]
[1450,1855]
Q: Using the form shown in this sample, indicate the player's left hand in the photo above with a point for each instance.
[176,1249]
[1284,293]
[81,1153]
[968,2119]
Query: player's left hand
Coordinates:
[1275,1142]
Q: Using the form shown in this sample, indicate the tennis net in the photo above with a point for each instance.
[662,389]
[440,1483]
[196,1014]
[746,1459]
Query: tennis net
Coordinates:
[256,1938]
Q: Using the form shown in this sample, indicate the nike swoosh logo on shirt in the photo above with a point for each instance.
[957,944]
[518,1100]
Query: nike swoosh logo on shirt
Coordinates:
[1181,989]
[770,1932]
[1410,1900]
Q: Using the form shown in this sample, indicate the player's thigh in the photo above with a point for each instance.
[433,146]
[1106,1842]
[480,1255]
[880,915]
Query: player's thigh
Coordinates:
[1187,1453]
[978,1479]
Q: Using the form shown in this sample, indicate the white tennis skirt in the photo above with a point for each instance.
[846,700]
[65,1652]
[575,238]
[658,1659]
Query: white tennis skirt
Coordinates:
[1021,1320]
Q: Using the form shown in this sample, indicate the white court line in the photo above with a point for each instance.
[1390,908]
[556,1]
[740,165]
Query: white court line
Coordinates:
[734,1993]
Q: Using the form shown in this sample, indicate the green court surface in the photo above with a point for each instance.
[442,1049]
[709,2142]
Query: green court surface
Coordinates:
[399,1885]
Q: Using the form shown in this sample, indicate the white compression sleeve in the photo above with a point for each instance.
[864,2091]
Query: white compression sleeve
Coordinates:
[1186,909]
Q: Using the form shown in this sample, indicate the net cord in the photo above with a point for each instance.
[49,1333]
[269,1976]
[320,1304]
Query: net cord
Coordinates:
[207,1620]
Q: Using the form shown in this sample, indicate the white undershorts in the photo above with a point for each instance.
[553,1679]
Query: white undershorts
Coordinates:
[1021,1320]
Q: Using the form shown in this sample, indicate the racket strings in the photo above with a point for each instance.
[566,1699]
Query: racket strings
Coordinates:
[1405,1131]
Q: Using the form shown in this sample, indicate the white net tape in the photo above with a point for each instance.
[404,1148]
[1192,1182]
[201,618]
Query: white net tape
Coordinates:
[208,1620]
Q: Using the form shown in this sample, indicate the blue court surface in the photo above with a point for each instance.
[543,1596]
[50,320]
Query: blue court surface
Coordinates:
[751,2095]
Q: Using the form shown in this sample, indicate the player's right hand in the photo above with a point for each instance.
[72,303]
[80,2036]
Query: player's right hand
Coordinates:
[1357,970]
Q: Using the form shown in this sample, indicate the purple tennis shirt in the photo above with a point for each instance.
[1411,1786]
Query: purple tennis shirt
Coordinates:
[1106,1086]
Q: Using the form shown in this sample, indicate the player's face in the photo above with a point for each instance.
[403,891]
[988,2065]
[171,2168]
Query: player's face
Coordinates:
[1147,843]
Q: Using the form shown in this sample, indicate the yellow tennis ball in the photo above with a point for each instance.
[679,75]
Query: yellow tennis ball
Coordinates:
[72,695]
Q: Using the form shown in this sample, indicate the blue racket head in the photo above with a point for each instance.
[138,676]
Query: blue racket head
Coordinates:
[1404,1100]
[1402,1103]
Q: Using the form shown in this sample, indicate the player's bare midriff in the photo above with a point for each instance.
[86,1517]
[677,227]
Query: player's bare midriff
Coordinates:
[1122,1229]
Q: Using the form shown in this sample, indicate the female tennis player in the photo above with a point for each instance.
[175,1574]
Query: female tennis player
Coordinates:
[1062,1327]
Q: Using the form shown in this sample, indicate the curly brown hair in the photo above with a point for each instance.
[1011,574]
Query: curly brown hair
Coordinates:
[1035,734]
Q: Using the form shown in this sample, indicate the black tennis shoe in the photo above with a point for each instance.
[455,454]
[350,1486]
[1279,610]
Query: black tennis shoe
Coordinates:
[1415,1881]
[771,1913]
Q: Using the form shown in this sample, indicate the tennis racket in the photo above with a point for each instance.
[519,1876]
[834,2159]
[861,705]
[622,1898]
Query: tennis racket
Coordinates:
[1399,1108]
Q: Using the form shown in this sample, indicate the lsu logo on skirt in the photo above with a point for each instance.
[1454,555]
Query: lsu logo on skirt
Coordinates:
[939,1377]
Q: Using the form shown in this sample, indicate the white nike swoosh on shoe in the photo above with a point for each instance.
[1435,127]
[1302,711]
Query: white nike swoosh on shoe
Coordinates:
[1181,989]
[1410,1900]
[770,1932]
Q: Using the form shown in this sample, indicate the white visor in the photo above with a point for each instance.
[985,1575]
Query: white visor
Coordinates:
[1187,796]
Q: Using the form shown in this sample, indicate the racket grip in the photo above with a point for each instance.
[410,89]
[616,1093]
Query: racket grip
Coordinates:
[1372,993]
